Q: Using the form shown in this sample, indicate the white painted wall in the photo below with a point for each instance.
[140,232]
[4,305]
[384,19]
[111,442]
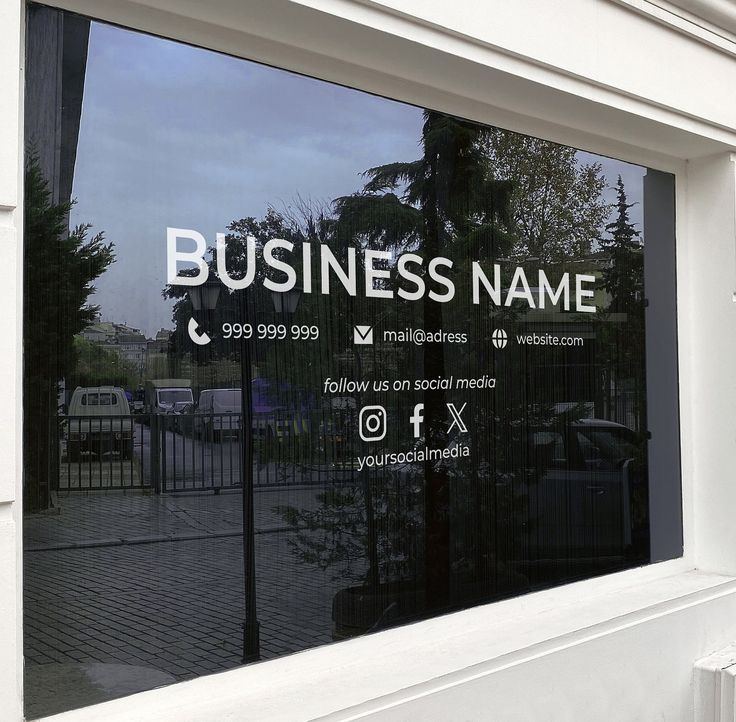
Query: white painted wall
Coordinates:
[627,78]
[11,644]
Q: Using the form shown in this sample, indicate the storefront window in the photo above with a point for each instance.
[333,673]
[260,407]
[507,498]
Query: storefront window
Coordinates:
[302,363]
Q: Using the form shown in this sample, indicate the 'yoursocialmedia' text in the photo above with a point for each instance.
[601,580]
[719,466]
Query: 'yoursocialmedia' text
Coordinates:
[414,456]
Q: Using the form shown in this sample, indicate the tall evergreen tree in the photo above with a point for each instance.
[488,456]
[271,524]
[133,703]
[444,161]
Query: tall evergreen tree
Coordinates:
[443,200]
[623,348]
[59,268]
[623,278]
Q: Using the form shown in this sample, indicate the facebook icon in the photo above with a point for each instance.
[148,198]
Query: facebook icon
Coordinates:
[417,419]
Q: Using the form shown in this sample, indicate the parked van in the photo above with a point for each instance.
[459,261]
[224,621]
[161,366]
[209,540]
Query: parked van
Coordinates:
[219,413]
[99,421]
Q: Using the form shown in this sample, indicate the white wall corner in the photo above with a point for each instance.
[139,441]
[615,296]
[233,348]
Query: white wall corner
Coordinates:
[11,647]
[10,44]
[706,288]
[715,686]
[9,345]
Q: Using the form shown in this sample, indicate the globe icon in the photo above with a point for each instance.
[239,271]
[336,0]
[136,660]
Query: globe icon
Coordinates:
[500,338]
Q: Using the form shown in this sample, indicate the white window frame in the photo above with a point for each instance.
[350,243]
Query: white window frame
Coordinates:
[412,51]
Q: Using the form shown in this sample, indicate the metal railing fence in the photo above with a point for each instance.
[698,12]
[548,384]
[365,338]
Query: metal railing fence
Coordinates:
[170,453]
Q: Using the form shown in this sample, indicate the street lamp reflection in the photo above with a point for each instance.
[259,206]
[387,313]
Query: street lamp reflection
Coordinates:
[204,298]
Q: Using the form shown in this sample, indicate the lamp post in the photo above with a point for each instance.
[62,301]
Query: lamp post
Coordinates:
[204,298]
[251,626]
[286,304]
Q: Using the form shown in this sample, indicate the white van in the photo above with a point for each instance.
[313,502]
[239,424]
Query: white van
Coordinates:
[99,421]
[219,413]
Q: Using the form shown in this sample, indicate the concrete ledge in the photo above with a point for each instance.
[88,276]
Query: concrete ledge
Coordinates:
[380,673]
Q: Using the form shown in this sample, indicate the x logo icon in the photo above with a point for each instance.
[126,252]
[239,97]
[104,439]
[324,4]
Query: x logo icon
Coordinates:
[457,418]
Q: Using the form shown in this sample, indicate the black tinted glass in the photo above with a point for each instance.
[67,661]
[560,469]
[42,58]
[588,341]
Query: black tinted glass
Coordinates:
[380,363]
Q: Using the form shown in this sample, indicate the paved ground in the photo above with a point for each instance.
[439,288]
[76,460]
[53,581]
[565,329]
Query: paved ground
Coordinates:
[157,582]
[115,516]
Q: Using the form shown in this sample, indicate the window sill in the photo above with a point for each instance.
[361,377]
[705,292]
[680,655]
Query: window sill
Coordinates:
[452,649]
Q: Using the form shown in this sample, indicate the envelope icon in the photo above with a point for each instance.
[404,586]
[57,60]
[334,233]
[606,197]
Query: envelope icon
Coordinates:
[363,334]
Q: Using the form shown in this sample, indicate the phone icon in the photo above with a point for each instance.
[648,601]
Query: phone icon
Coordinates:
[201,339]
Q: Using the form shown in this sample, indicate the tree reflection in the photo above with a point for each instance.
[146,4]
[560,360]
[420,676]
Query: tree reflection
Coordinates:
[59,269]
[419,538]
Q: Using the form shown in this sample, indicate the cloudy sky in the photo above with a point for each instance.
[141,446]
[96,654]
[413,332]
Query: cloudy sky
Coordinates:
[178,136]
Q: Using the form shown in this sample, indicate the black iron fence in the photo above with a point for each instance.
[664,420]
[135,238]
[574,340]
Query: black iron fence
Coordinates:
[198,452]
[101,452]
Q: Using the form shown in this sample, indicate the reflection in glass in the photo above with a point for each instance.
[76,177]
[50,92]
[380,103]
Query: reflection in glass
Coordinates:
[414,382]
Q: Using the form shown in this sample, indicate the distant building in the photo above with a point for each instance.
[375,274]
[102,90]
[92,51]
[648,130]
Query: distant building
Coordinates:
[129,343]
[160,343]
